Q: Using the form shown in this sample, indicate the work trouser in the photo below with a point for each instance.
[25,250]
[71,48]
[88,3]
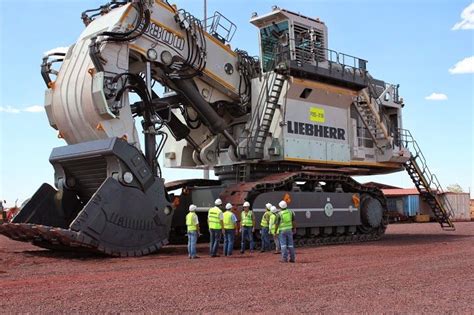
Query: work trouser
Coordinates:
[214,242]
[276,240]
[229,241]
[3,215]
[265,239]
[247,234]
[286,243]
[192,240]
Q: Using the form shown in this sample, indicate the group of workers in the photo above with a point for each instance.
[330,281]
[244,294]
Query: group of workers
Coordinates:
[276,222]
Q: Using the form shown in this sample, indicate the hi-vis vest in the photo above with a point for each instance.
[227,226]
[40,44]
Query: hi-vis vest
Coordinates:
[272,222]
[265,219]
[286,220]
[246,218]
[228,223]
[190,222]
[213,218]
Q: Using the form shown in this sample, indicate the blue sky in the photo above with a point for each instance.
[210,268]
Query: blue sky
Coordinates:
[425,46]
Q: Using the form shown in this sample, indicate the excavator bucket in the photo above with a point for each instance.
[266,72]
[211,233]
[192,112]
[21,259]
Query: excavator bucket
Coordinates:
[107,201]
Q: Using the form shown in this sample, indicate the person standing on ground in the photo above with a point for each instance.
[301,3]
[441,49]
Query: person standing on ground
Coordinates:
[230,229]
[215,222]
[3,214]
[247,221]
[287,227]
[273,228]
[264,228]
[192,222]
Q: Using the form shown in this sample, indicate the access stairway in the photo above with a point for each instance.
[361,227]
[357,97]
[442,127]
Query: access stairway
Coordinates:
[267,104]
[426,182]
[368,111]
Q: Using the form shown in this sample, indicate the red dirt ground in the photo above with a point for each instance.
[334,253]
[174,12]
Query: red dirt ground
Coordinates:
[414,268]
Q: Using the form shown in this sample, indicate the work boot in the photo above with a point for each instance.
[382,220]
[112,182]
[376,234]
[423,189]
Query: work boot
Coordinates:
[292,260]
[283,261]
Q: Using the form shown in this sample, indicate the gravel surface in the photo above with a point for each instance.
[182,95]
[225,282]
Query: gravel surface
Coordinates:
[414,268]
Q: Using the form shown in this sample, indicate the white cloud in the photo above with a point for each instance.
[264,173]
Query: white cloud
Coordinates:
[467,19]
[9,109]
[34,109]
[436,97]
[13,110]
[56,50]
[464,66]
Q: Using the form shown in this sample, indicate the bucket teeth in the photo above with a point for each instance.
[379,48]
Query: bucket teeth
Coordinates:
[94,210]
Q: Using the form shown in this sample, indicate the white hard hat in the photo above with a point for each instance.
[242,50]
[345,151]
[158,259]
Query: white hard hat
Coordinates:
[192,208]
[246,204]
[268,206]
[273,209]
[218,202]
[283,204]
[228,206]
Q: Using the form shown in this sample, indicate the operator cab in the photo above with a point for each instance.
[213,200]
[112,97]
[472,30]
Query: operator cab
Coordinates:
[273,37]
[300,44]
[286,35]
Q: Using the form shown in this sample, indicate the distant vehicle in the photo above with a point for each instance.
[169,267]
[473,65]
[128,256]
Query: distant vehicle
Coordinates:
[7,214]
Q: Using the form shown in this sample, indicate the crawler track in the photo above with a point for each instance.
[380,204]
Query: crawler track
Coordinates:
[238,193]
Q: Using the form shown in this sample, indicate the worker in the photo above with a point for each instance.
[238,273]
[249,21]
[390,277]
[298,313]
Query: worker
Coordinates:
[273,228]
[247,221]
[230,229]
[215,222]
[192,222]
[286,228]
[264,228]
[3,214]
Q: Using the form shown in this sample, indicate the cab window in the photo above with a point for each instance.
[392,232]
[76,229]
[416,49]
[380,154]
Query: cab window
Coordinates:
[270,36]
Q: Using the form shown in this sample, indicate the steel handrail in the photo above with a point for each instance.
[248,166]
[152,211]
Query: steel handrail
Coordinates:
[406,136]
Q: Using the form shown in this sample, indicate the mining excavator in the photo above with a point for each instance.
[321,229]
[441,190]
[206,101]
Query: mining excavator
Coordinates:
[294,123]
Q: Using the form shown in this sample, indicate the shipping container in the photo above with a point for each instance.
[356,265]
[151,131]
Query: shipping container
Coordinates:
[406,205]
[460,204]
[411,205]
[395,204]
[407,202]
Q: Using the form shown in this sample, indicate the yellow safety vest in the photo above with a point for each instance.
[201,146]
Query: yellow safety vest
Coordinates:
[190,222]
[213,218]
[271,224]
[286,220]
[265,218]
[228,223]
[247,218]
